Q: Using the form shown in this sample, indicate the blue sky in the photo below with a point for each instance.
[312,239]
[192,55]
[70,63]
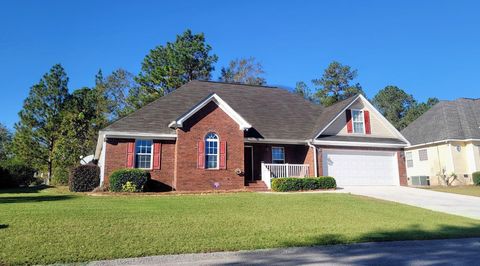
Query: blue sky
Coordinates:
[428,48]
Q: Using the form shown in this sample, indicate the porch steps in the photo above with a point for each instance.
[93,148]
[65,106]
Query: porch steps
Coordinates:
[257,185]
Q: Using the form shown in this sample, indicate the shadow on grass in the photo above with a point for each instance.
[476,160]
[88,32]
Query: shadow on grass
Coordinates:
[3,226]
[24,199]
[452,252]
[34,189]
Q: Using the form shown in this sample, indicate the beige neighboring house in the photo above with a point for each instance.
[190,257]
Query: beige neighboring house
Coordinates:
[444,141]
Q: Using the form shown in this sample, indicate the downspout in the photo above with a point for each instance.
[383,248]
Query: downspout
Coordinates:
[314,157]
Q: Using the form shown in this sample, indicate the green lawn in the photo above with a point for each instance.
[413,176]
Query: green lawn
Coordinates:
[48,226]
[464,190]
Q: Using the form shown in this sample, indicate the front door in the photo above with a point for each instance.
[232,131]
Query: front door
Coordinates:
[248,159]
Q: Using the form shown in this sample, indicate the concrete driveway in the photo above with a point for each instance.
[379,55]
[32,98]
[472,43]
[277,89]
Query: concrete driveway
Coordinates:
[468,206]
[431,252]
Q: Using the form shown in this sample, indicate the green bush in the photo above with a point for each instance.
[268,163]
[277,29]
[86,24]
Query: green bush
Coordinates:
[120,177]
[16,174]
[60,176]
[299,184]
[476,178]
[84,178]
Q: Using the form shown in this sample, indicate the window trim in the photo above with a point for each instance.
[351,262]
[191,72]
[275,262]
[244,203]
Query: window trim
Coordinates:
[420,155]
[363,121]
[135,155]
[283,149]
[411,158]
[217,140]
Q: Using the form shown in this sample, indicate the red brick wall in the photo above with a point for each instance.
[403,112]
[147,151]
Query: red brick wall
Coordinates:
[116,158]
[402,169]
[210,119]
[401,161]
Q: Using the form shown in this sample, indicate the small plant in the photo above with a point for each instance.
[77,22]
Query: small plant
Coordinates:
[84,178]
[120,177]
[447,179]
[476,178]
[299,184]
[129,187]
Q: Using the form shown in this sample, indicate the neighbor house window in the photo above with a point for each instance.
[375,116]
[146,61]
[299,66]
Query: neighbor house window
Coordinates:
[278,155]
[358,121]
[409,158]
[211,151]
[143,154]
[423,155]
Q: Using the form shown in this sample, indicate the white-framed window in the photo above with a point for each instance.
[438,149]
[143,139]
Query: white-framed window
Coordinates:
[278,155]
[211,151]
[409,159]
[358,121]
[423,155]
[143,153]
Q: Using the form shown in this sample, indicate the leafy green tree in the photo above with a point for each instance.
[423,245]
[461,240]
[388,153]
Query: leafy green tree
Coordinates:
[38,130]
[5,140]
[115,89]
[394,103]
[335,84]
[416,111]
[302,89]
[82,119]
[168,67]
[244,71]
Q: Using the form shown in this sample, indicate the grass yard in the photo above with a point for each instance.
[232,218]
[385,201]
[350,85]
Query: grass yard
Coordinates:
[464,190]
[51,225]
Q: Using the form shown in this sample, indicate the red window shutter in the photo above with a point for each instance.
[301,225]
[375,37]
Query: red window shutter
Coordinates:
[223,155]
[201,154]
[366,117]
[130,154]
[349,121]
[157,155]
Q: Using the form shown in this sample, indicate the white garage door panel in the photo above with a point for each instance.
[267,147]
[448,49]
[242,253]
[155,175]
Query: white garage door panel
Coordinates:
[361,168]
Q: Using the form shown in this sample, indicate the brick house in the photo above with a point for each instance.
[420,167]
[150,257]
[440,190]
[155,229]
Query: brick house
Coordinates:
[212,135]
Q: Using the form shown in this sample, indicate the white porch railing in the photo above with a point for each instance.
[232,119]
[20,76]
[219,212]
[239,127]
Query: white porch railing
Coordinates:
[272,170]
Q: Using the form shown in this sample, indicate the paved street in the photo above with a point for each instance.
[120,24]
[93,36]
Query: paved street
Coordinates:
[431,252]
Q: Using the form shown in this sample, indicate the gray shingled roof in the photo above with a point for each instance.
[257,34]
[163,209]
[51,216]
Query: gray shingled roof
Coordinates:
[459,119]
[274,113]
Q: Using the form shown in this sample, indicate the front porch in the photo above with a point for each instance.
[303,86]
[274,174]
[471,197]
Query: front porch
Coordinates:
[271,170]
[264,162]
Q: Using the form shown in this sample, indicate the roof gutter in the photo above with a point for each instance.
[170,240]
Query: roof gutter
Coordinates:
[359,144]
[441,141]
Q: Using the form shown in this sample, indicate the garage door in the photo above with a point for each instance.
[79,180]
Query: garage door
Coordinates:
[361,168]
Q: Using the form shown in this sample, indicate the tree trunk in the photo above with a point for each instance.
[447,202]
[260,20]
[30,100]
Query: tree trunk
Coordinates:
[49,174]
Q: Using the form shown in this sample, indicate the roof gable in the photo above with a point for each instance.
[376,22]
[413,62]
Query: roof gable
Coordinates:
[242,123]
[381,127]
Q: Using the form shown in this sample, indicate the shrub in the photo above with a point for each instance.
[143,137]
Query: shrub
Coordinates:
[60,176]
[298,184]
[16,174]
[120,177]
[84,178]
[476,178]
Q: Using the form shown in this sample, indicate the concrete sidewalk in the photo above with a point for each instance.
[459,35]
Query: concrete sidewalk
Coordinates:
[429,252]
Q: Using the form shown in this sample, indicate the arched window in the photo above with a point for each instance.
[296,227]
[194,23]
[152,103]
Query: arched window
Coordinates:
[211,151]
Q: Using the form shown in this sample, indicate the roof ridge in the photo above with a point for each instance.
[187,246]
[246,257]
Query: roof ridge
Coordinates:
[237,83]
